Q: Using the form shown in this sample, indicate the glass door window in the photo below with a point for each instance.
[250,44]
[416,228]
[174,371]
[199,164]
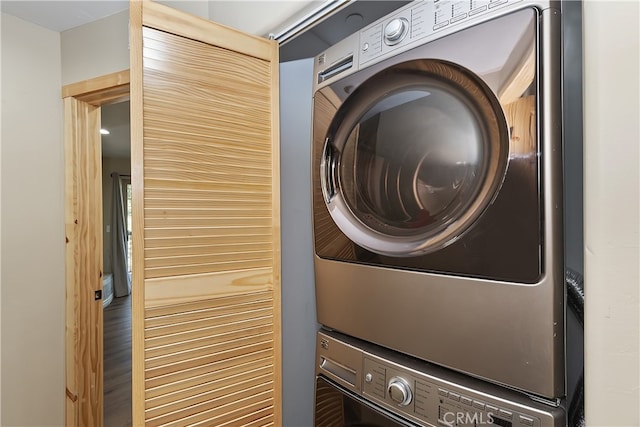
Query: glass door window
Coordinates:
[413,157]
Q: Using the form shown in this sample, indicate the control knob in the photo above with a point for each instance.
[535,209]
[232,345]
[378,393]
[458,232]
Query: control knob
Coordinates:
[395,30]
[400,391]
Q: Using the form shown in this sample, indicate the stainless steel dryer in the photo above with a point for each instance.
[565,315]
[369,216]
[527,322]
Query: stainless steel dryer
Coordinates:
[437,174]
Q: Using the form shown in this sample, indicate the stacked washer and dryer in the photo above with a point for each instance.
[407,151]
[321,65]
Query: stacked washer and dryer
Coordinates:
[438,221]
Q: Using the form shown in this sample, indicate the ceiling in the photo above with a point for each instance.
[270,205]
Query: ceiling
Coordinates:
[62,15]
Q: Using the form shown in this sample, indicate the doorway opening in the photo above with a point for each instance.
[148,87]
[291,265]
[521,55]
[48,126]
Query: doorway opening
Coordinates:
[117,263]
[84,345]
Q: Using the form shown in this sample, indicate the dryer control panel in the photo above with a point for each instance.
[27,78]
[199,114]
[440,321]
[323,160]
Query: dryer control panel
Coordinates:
[420,20]
[410,26]
[423,393]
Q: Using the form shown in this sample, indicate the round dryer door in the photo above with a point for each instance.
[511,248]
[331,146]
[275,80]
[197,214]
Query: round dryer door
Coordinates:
[413,158]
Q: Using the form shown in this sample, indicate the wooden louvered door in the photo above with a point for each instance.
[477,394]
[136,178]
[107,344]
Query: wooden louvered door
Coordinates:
[206,245]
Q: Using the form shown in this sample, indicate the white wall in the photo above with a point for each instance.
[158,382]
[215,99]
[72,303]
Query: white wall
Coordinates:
[95,49]
[33,290]
[612,214]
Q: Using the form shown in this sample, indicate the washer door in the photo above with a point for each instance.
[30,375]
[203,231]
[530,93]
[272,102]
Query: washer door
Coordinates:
[336,406]
[413,158]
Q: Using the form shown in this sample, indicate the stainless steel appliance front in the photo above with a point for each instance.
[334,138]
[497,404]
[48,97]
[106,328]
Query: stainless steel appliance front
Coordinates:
[437,189]
[360,384]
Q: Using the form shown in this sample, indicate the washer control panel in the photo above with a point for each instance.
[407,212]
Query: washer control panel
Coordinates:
[426,394]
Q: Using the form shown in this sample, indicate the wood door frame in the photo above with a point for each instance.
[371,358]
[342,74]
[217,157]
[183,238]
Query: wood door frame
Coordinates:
[83,276]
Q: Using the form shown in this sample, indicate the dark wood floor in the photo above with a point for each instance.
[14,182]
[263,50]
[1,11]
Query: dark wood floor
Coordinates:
[117,363]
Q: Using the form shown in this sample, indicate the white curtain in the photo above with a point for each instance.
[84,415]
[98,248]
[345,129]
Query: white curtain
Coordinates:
[121,279]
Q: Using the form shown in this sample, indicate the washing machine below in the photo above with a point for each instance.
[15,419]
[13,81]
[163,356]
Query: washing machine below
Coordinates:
[437,198]
[360,384]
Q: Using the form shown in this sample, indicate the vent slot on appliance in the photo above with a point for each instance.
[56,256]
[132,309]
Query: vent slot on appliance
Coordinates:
[335,69]
[342,372]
